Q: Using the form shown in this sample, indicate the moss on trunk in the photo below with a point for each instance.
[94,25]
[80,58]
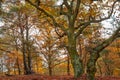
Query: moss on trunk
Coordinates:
[91,66]
[75,59]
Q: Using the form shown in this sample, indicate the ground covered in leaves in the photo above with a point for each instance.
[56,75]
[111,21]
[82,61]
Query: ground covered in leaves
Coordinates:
[43,77]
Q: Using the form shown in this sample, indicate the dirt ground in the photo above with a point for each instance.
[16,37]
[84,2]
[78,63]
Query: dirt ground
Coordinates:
[43,77]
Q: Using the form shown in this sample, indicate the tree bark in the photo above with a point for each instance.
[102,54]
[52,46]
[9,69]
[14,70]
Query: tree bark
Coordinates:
[24,59]
[50,63]
[91,66]
[28,46]
[75,59]
[23,51]
[50,70]
[94,54]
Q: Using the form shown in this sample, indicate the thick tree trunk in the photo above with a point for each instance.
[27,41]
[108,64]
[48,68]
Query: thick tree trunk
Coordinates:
[75,59]
[77,65]
[91,66]
[94,55]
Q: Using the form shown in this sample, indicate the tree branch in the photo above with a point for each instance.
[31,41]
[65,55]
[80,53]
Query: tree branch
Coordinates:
[80,29]
[76,9]
[107,42]
[67,5]
[85,24]
[47,14]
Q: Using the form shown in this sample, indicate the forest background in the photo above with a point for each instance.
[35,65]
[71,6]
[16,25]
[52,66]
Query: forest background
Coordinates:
[66,38]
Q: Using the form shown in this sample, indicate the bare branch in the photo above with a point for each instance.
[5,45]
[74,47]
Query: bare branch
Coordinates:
[76,9]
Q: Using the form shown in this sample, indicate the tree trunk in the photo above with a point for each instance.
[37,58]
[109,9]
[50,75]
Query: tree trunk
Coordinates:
[68,66]
[75,59]
[24,53]
[94,55]
[49,65]
[25,61]
[23,50]
[91,66]
[28,46]
[50,70]
[29,58]
[29,64]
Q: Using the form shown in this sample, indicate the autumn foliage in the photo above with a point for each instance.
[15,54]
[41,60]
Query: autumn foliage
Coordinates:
[59,39]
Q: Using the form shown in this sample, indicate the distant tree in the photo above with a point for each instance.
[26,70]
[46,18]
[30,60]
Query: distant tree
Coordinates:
[19,31]
[48,47]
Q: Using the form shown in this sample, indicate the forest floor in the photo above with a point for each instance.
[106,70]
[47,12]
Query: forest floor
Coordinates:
[43,77]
